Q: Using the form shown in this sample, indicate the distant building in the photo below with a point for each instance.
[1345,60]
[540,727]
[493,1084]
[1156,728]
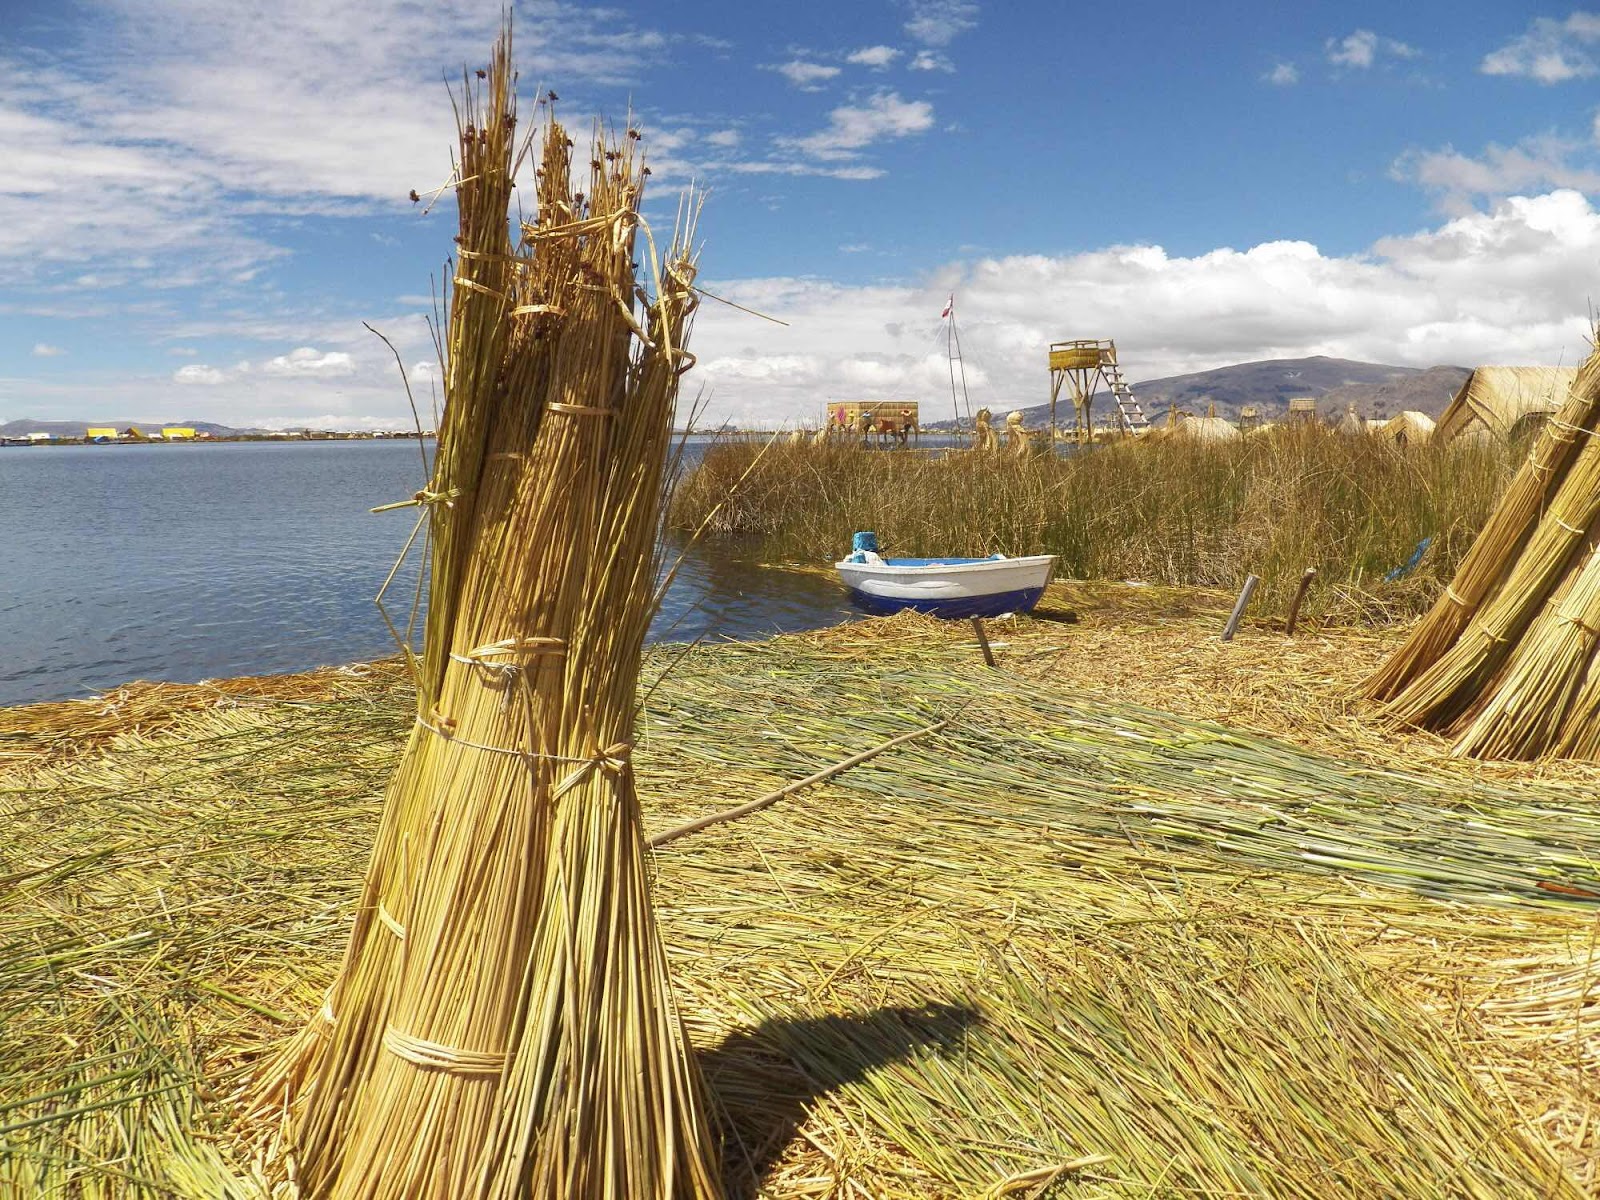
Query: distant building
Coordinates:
[38,436]
[1303,408]
[100,433]
[178,433]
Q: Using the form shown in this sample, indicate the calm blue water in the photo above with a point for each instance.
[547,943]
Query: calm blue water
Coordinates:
[196,562]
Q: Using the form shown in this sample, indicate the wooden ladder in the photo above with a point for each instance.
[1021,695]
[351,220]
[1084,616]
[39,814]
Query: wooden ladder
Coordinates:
[1131,414]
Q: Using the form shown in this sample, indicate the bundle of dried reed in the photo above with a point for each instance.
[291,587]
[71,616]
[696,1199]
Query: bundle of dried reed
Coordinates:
[1514,680]
[503,1022]
[1483,568]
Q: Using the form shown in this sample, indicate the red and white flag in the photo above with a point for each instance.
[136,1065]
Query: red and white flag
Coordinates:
[948,308]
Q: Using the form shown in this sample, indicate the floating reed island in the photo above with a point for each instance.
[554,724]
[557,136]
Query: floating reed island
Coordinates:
[1081,938]
[1042,927]
[1174,511]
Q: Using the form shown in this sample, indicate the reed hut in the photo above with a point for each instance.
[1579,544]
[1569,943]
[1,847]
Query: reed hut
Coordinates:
[1410,428]
[1504,402]
[1204,429]
[1505,661]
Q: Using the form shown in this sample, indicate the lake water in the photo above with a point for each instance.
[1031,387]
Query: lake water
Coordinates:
[195,562]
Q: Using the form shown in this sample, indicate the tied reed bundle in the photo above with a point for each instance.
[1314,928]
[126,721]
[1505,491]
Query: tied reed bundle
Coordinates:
[1515,682]
[503,1023]
[1484,566]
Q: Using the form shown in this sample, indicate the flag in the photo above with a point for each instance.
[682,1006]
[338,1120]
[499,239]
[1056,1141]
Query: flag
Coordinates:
[949,308]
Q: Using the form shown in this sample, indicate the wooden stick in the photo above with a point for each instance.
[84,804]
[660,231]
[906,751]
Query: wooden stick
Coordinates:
[1299,595]
[1239,605]
[771,798]
[983,640]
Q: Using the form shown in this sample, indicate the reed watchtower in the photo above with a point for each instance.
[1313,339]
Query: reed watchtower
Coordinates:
[1086,364]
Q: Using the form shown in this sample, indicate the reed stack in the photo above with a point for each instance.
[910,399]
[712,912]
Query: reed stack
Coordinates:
[503,1022]
[1505,659]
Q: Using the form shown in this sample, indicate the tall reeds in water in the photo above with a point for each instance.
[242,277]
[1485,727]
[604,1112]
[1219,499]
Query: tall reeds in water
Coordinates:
[1170,512]
[503,1022]
[1506,659]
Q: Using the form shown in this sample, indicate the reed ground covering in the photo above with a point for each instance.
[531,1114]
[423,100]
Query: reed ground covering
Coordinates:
[1169,511]
[1070,933]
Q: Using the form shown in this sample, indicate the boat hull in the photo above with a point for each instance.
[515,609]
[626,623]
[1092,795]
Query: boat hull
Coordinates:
[949,588]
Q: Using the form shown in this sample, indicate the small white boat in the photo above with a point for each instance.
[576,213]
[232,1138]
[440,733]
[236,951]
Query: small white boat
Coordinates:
[944,587]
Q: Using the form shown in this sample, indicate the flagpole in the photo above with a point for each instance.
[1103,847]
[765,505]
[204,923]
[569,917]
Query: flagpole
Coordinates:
[953,352]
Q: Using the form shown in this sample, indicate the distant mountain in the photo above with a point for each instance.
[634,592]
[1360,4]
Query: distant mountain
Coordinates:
[75,429]
[1375,389]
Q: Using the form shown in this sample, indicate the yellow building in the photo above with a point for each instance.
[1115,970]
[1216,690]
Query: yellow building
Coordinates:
[100,431]
[178,433]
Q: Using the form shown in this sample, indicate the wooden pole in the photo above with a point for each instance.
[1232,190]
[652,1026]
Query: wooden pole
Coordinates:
[1299,596]
[983,640]
[1239,605]
[771,798]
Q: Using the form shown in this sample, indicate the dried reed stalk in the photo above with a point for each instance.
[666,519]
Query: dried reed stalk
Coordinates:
[1503,536]
[503,1022]
[1529,710]
[1458,679]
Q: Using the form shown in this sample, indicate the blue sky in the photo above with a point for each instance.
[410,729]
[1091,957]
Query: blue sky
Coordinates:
[204,200]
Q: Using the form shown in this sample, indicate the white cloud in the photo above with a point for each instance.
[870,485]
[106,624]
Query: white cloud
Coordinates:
[1507,285]
[198,373]
[1551,51]
[929,60]
[807,76]
[799,168]
[940,22]
[198,123]
[183,351]
[723,138]
[1458,180]
[308,361]
[1361,49]
[1283,75]
[45,350]
[876,57]
[426,371]
[851,128]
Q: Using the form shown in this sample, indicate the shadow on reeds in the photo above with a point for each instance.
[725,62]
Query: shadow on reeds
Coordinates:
[765,1080]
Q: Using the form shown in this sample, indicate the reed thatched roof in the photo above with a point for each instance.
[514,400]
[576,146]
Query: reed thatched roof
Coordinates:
[1410,427]
[1206,429]
[1498,401]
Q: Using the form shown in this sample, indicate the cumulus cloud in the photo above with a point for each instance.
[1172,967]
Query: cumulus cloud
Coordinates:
[1283,75]
[1459,181]
[723,138]
[1361,49]
[308,361]
[876,57]
[929,60]
[198,373]
[45,350]
[807,76]
[854,127]
[1550,51]
[1507,285]
[940,22]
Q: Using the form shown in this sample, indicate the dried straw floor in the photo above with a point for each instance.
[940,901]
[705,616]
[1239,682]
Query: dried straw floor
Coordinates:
[1153,916]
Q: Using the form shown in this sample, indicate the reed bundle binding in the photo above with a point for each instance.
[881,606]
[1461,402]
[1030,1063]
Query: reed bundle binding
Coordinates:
[1505,660]
[503,1022]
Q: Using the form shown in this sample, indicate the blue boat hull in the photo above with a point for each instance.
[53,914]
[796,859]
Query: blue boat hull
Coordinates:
[955,607]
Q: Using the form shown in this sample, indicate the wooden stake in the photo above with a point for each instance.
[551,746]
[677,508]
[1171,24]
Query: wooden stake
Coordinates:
[1299,596]
[1239,606]
[983,640]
